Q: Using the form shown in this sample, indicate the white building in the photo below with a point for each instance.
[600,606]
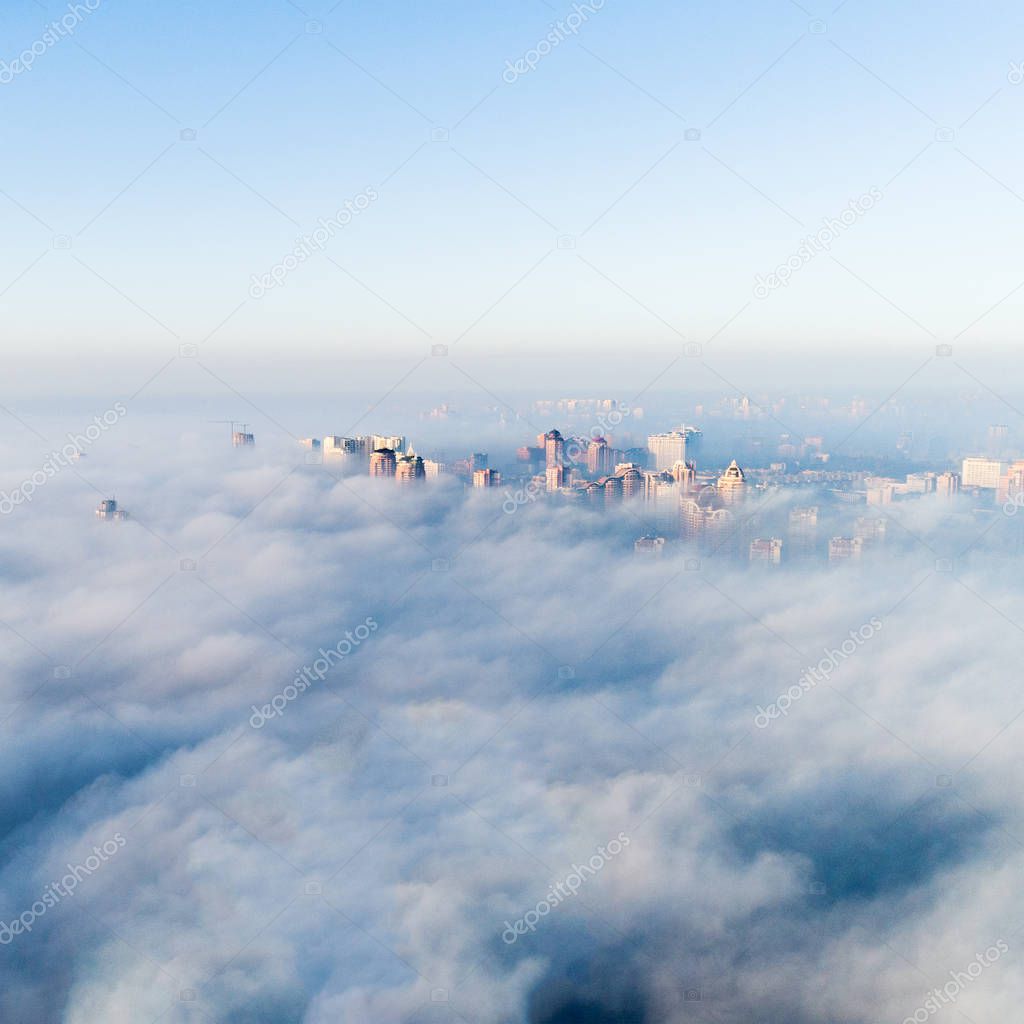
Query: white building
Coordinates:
[334,447]
[766,549]
[394,442]
[979,472]
[667,449]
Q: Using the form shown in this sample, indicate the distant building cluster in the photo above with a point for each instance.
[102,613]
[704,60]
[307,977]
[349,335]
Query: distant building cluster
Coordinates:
[391,456]
[984,474]
[883,490]
[656,477]
[109,511]
[601,462]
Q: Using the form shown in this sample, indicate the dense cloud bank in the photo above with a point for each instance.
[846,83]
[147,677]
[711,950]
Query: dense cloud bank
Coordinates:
[529,690]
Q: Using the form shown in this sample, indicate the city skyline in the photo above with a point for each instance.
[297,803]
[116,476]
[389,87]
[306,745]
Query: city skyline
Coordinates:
[711,507]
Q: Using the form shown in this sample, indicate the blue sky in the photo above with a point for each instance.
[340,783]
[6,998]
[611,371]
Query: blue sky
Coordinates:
[298,107]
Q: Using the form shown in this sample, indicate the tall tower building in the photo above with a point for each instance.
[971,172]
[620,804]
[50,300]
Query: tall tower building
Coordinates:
[383,462]
[732,485]
[803,530]
[662,497]
[409,468]
[632,478]
[554,449]
[486,478]
[613,490]
[343,449]
[598,457]
[685,474]
[667,449]
[766,549]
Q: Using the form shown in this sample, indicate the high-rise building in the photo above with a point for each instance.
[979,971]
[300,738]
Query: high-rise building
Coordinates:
[378,441]
[703,519]
[732,485]
[632,480]
[661,496]
[383,462]
[334,447]
[652,547]
[613,489]
[920,483]
[694,442]
[554,449]
[432,469]
[868,529]
[478,460]
[803,518]
[108,510]
[667,449]
[983,473]
[691,518]
[947,484]
[685,474]
[242,438]
[720,533]
[881,490]
[1011,483]
[486,478]
[598,457]
[845,549]
[409,468]
[766,549]
[803,531]
[554,478]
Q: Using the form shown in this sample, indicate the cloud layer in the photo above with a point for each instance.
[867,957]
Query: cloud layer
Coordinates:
[533,690]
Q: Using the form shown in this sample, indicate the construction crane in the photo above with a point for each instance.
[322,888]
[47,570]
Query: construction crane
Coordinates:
[239,438]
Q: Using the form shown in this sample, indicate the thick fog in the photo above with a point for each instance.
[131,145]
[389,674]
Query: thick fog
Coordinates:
[349,752]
